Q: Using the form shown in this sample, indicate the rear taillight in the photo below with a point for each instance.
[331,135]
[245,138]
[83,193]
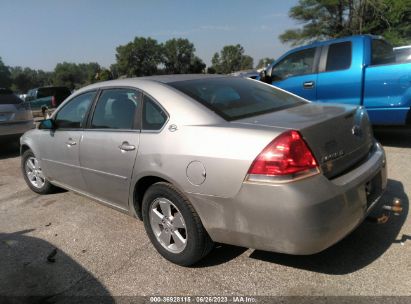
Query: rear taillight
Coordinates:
[53,102]
[286,158]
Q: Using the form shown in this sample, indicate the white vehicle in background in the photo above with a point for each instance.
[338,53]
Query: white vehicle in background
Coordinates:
[403,53]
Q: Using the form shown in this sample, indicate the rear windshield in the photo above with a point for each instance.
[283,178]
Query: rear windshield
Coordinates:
[7,97]
[234,98]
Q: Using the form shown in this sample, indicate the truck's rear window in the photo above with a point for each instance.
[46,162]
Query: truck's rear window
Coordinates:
[53,91]
[234,98]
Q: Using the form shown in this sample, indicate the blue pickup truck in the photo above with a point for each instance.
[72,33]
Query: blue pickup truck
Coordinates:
[359,70]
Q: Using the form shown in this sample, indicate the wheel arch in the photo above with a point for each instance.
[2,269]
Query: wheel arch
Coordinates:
[140,189]
[23,148]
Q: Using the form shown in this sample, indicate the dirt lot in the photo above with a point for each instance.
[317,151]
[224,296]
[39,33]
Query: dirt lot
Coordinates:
[103,252]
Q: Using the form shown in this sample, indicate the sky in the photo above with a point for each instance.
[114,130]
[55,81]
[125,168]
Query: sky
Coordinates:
[39,34]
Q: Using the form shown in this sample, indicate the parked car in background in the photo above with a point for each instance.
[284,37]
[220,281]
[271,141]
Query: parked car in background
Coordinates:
[50,97]
[203,158]
[15,116]
[357,70]
[403,53]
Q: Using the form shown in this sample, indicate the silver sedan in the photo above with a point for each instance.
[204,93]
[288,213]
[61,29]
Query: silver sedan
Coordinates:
[203,159]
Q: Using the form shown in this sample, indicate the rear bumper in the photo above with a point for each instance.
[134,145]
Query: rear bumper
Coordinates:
[302,217]
[16,128]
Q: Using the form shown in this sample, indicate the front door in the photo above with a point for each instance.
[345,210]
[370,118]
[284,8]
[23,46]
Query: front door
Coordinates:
[296,73]
[60,147]
[109,146]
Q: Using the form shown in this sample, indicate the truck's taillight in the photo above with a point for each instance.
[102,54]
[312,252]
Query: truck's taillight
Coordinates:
[53,101]
[286,158]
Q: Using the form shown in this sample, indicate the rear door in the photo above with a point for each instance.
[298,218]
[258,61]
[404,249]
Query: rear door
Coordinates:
[297,73]
[109,146]
[340,73]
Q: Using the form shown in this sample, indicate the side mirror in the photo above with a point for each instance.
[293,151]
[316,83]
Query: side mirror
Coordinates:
[266,74]
[47,124]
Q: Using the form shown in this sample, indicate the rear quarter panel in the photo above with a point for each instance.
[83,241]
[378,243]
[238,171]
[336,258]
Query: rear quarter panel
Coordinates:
[226,152]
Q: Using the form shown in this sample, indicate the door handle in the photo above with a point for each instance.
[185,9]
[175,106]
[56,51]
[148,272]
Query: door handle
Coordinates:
[70,142]
[125,146]
[308,84]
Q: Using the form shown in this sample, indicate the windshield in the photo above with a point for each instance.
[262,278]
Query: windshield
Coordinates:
[235,98]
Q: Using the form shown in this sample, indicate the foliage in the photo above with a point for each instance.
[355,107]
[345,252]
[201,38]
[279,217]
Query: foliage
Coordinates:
[230,59]
[104,75]
[140,57]
[322,19]
[24,79]
[179,58]
[5,75]
[263,62]
[74,75]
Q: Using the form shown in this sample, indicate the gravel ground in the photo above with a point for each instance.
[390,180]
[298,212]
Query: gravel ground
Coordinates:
[100,251]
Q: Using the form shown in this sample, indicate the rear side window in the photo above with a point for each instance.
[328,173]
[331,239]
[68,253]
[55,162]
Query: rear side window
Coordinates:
[339,56]
[403,55]
[381,52]
[154,116]
[72,115]
[298,63]
[234,98]
[117,109]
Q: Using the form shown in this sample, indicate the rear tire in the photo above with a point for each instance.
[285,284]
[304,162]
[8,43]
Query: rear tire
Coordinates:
[173,226]
[33,174]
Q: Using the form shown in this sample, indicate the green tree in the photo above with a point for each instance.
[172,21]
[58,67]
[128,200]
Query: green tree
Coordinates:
[44,78]
[23,79]
[263,62]
[5,75]
[140,57]
[197,65]
[230,59]
[74,75]
[88,72]
[322,19]
[67,74]
[179,57]
[114,71]
[104,75]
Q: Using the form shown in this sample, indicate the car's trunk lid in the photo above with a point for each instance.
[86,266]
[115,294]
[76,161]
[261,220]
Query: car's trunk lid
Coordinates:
[338,135]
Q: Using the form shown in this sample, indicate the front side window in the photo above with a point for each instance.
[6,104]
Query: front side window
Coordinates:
[72,115]
[153,116]
[234,97]
[381,52]
[117,109]
[339,56]
[298,63]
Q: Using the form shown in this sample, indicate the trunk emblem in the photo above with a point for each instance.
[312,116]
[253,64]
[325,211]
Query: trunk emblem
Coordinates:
[333,156]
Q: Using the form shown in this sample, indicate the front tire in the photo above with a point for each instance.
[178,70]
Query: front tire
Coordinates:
[33,174]
[173,226]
